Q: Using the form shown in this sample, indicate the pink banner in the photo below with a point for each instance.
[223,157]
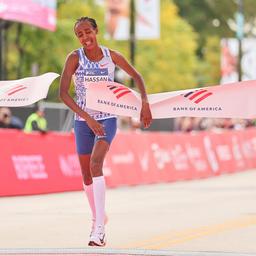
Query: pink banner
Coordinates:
[235,100]
[25,91]
[36,163]
[38,13]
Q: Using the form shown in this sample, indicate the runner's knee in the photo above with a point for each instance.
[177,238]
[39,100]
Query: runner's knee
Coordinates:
[87,178]
[96,166]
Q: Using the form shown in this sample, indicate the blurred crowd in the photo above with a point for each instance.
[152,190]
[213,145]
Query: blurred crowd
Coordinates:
[188,124]
[34,122]
[7,120]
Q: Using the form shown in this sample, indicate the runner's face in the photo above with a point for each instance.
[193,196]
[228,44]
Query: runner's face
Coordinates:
[86,34]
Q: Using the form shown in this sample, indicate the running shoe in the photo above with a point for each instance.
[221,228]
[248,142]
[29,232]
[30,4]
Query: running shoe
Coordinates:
[98,237]
[94,223]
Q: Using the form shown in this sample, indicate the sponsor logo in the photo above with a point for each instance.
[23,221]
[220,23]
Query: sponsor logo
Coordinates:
[198,95]
[89,72]
[179,158]
[95,72]
[102,239]
[162,156]
[117,105]
[69,165]
[196,158]
[102,72]
[125,158]
[16,89]
[14,100]
[224,152]
[144,161]
[94,75]
[118,90]
[29,167]
[201,109]
[13,89]
[210,153]
[103,65]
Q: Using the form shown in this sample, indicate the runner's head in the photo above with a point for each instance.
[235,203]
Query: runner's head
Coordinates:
[86,19]
[86,30]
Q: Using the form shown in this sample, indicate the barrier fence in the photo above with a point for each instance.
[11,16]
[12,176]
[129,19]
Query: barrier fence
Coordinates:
[45,163]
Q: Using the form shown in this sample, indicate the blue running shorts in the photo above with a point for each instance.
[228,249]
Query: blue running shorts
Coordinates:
[85,138]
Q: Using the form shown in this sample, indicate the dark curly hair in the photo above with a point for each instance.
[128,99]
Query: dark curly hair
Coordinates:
[91,20]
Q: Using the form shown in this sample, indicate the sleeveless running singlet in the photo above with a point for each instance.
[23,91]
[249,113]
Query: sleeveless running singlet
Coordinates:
[90,71]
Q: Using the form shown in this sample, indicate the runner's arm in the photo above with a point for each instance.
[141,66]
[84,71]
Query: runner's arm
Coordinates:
[119,60]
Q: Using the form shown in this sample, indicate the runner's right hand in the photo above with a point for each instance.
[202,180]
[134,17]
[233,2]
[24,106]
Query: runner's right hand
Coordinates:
[96,127]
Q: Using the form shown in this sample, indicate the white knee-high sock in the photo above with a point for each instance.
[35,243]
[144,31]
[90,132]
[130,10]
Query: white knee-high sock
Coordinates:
[99,188]
[90,196]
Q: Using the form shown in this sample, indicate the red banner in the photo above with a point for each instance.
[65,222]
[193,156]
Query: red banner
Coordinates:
[37,163]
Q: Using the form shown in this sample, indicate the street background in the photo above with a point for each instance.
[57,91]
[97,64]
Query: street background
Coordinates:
[216,214]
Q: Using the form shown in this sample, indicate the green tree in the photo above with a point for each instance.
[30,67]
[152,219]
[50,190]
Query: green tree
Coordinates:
[166,64]
[208,68]
[31,46]
[215,17]
[170,62]
[213,20]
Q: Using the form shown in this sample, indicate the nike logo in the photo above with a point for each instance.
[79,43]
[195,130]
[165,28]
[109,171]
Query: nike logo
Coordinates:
[103,65]
[102,240]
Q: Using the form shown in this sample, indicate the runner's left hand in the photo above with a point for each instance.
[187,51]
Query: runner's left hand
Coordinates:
[145,114]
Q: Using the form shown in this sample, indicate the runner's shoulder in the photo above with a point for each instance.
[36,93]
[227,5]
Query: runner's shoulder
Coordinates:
[73,56]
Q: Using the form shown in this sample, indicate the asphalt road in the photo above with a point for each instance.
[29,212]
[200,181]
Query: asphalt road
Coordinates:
[215,216]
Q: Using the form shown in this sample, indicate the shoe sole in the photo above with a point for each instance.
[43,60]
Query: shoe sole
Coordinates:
[91,243]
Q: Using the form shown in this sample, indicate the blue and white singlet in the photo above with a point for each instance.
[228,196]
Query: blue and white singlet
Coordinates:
[90,71]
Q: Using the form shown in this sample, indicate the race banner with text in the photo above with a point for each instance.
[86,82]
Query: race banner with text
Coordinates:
[235,100]
[45,163]
[26,91]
